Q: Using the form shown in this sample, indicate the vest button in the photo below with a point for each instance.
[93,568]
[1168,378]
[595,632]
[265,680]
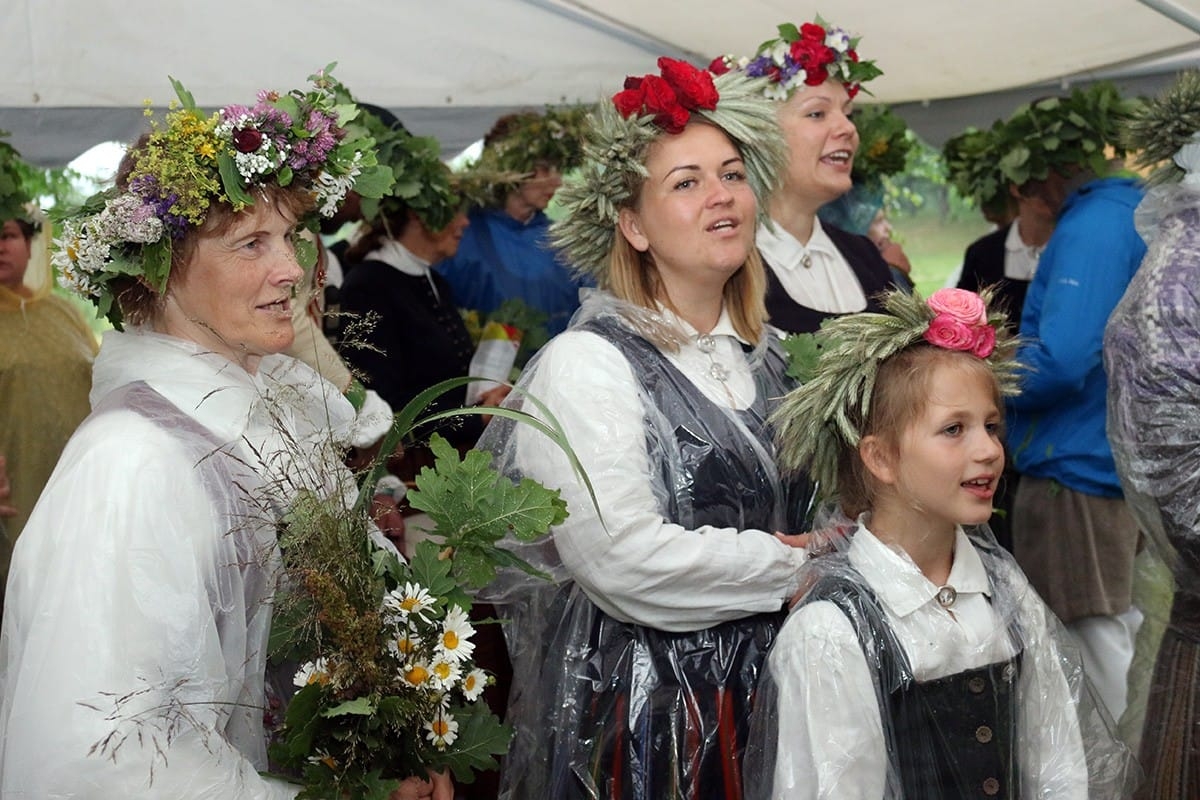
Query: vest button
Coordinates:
[983,734]
[977,685]
[991,787]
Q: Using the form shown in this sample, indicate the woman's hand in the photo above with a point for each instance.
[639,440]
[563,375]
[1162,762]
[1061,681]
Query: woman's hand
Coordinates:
[437,786]
[6,510]
[794,539]
[388,517]
[493,397]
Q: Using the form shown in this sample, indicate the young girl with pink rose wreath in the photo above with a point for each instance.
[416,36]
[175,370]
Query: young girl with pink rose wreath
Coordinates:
[918,662]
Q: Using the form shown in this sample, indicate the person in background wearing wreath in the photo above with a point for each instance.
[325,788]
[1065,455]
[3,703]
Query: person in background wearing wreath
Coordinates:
[635,664]
[1152,356]
[140,596]
[412,336]
[1072,531]
[814,271]
[46,352]
[505,253]
[919,662]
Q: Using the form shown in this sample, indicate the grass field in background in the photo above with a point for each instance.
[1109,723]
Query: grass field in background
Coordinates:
[934,245]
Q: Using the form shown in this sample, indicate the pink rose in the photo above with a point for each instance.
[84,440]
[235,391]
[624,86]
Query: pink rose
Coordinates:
[966,307]
[949,333]
[985,341]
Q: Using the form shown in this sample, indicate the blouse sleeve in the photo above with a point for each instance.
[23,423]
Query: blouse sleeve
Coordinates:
[817,715]
[117,679]
[633,563]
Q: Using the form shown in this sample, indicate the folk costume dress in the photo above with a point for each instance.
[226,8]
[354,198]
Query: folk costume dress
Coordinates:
[882,685]
[636,663]
[1152,356]
[836,273]
[140,597]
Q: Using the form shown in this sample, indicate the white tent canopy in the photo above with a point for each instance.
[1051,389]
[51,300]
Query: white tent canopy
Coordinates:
[76,72]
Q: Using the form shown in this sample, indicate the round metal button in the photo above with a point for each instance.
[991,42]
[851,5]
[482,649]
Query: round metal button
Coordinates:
[983,734]
[977,685]
[991,787]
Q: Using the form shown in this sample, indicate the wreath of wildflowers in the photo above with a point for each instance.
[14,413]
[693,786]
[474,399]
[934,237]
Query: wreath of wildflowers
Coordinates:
[804,56]
[14,197]
[529,139]
[193,161]
[621,132]
[1163,126]
[838,365]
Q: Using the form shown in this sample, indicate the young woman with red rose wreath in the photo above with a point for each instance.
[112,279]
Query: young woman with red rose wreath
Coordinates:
[634,667]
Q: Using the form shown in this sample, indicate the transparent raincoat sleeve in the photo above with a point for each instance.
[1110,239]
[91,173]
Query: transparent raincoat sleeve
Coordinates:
[841,714]
[631,582]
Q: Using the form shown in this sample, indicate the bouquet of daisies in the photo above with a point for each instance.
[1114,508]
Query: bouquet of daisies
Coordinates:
[380,650]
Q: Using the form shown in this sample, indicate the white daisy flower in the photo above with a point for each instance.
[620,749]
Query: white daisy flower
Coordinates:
[312,672]
[444,673]
[412,599]
[454,642]
[417,674]
[473,684]
[442,730]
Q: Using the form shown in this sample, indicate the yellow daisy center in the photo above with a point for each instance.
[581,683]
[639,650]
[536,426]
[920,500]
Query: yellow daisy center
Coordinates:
[450,640]
[409,603]
[405,645]
[417,675]
[441,727]
[442,670]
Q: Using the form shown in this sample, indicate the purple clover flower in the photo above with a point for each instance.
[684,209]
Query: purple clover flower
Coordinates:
[759,67]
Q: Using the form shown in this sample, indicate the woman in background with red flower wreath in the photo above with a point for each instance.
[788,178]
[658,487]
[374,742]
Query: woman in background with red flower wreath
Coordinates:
[634,667]
[815,271]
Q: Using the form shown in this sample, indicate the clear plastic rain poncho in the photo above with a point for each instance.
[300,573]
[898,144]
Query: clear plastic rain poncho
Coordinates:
[882,686]
[636,662]
[1152,356]
[135,631]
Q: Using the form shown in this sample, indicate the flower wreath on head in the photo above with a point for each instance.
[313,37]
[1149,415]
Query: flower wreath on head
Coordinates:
[804,56]
[192,161]
[838,366]
[621,131]
[530,139]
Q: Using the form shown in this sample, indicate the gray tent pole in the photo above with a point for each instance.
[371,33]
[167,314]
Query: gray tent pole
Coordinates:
[1172,11]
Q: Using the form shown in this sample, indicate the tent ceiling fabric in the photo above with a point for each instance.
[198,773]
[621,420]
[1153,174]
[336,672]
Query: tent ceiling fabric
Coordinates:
[76,72]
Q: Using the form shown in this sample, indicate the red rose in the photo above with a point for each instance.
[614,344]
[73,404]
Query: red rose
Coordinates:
[852,89]
[694,87]
[632,82]
[718,66]
[950,334]
[630,101]
[812,32]
[247,140]
[815,76]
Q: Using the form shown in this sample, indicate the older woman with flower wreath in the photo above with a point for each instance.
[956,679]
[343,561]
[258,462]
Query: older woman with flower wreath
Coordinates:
[140,595]
[815,271]
[636,665]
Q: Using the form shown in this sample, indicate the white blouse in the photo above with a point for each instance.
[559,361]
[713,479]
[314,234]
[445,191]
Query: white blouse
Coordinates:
[643,568]
[831,740]
[815,275]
